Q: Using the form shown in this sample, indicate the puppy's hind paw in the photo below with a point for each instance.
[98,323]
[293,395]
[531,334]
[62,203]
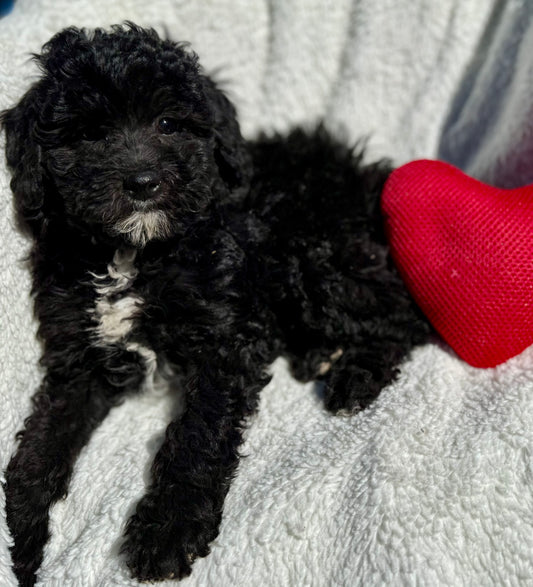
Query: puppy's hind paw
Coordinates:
[347,392]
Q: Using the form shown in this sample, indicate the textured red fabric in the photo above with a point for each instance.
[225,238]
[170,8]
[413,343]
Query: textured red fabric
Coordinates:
[465,251]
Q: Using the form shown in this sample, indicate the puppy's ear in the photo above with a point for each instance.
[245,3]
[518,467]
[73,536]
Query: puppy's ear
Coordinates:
[61,54]
[23,156]
[232,153]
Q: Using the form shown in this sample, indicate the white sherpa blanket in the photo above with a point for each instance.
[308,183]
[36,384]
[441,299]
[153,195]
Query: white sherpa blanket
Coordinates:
[431,485]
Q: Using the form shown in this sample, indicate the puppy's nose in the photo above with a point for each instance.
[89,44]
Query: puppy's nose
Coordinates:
[143,184]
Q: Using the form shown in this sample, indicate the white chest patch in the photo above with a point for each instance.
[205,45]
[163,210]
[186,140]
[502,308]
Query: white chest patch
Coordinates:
[115,318]
[115,309]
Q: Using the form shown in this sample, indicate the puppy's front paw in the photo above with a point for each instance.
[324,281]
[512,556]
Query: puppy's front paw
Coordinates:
[163,549]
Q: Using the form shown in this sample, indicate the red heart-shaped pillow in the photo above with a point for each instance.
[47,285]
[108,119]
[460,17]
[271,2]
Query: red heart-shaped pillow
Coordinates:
[465,251]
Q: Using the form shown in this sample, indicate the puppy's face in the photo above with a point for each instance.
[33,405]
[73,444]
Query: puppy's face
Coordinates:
[130,148]
[132,140]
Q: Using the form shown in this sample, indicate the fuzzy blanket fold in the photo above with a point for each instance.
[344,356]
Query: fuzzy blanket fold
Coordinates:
[432,484]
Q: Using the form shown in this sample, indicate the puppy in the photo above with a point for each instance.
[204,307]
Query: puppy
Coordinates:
[167,249]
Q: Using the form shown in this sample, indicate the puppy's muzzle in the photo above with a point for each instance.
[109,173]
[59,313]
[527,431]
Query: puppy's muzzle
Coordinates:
[143,185]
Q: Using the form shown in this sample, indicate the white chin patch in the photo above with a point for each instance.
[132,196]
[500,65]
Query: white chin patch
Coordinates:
[142,227]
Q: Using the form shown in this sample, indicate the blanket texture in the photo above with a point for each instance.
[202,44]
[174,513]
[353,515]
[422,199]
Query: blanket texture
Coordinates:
[431,485]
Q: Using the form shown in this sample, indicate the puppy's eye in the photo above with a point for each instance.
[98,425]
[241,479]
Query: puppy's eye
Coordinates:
[94,134]
[168,126]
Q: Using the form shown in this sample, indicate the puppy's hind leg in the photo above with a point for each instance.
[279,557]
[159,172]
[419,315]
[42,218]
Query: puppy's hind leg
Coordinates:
[355,379]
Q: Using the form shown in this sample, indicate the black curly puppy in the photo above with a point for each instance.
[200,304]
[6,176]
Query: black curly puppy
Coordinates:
[166,248]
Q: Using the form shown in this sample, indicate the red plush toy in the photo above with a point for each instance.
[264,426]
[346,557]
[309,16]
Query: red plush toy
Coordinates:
[465,251]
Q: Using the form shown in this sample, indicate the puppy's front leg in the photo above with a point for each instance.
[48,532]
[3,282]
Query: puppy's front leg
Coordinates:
[64,415]
[180,514]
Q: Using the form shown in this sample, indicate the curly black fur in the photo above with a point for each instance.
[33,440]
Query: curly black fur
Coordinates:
[167,246]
